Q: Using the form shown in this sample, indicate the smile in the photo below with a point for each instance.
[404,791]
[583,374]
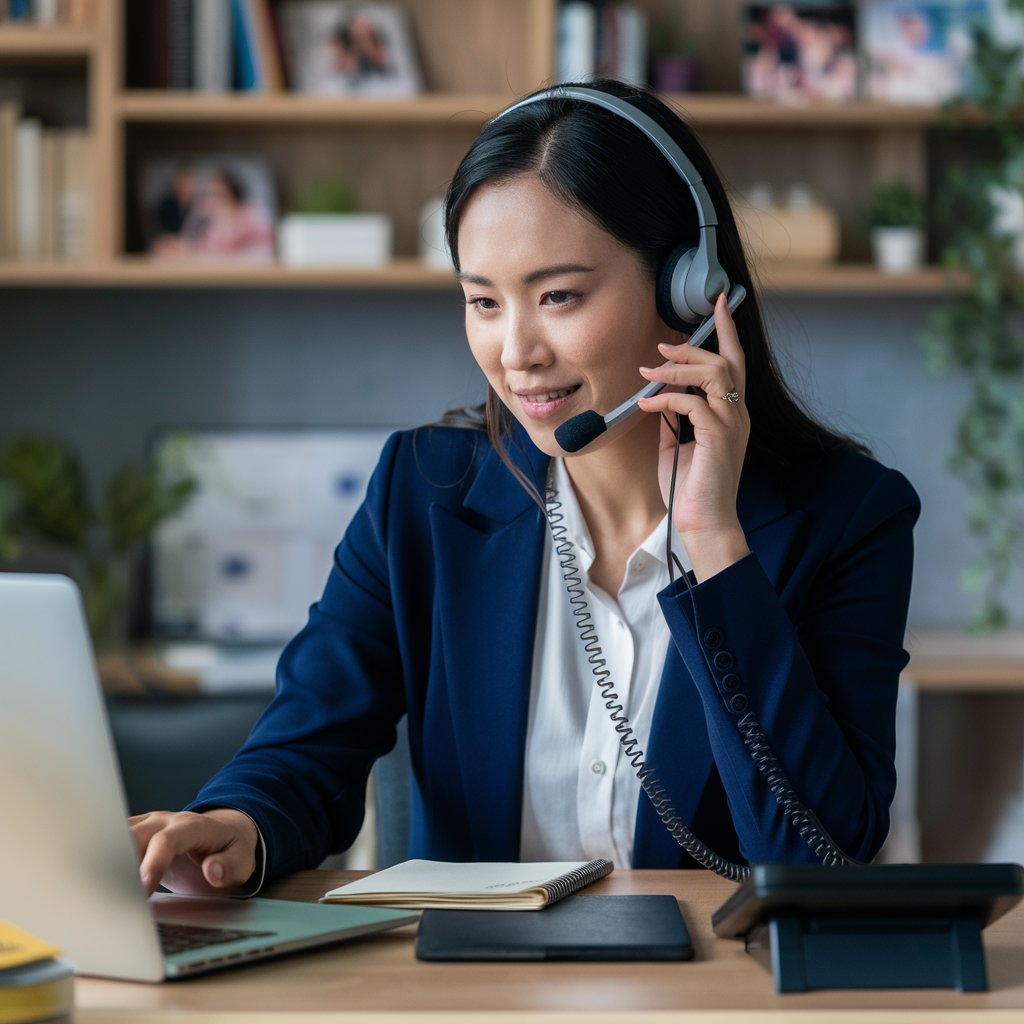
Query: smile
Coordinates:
[538,405]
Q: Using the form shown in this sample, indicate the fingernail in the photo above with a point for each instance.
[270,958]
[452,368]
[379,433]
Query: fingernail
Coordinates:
[645,369]
[217,871]
[665,346]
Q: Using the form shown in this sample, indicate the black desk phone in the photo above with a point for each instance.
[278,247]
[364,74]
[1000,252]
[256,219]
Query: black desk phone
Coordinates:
[881,926]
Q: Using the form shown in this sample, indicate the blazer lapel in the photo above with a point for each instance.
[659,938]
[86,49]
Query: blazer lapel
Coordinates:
[488,563]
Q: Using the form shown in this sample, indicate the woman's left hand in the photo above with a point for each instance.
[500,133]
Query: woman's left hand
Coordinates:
[711,389]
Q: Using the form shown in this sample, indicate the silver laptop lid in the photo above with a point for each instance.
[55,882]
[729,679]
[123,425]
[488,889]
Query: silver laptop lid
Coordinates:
[68,865]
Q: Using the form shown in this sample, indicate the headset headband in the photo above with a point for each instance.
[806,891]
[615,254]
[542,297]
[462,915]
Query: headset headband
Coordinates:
[690,285]
[668,146]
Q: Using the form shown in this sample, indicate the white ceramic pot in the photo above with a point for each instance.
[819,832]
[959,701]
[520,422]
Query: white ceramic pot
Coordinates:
[334,239]
[898,250]
[433,244]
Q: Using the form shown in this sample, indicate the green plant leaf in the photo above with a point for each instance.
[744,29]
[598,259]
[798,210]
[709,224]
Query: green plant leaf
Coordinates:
[54,502]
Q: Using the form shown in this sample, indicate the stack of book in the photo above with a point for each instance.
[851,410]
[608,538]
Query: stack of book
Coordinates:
[606,40]
[213,45]
[45,189]
[49,12]
[35,985]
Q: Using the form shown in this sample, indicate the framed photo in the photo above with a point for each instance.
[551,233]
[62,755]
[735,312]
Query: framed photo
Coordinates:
[250,552]
[213,209]
[801,52]
[349,49]
[916,51]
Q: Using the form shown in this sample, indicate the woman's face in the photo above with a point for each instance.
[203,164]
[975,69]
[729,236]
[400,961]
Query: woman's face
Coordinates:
[559,313]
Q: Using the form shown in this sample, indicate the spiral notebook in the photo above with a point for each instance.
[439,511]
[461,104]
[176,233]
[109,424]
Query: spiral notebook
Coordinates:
[440,885]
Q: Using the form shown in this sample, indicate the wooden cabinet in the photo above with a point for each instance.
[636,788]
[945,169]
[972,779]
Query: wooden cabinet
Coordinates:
[476,55]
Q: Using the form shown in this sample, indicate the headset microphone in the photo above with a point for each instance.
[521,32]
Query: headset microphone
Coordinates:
[580,430]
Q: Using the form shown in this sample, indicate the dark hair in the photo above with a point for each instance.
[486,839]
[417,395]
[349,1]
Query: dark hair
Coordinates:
[233,183]
[605,167]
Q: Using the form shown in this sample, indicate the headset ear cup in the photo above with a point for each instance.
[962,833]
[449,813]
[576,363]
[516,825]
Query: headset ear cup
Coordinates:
[667,310]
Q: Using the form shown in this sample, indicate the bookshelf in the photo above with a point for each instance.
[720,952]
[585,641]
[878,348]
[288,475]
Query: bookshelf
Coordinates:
[476,56]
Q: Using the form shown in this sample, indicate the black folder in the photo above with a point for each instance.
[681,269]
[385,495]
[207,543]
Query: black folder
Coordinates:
[576,928]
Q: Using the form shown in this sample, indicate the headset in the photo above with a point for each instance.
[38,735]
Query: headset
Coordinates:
[688,283]
[689,280]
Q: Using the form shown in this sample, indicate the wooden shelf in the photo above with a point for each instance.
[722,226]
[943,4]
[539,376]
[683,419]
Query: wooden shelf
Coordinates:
[851,279]
[46,42]
[143,273]
[724,110]
[707,109]
[149,106]
[131,272]
[957,662]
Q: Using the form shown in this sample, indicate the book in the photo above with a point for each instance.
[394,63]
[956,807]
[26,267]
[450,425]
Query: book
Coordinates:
[211,44]
[35,984]
[10,114]
[28,158]
[622,43]
[49,176]
[74,227]
[577,41]
[181,19]
[440,885]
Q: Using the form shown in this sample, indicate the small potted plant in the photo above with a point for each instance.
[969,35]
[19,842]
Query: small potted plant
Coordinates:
[325,229]
[47,504]
[673,61]
[894,217]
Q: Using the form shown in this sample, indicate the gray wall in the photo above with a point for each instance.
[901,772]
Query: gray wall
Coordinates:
[107,367]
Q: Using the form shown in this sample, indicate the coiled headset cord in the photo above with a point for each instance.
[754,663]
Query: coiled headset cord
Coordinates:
[803,818]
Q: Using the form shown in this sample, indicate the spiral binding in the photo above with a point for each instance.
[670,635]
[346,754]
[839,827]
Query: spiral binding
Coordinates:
[806,823]
[572,881]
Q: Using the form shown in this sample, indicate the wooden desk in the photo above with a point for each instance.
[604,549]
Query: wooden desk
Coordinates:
[380,973]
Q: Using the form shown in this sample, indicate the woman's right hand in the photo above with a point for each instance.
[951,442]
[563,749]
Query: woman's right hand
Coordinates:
[199,854]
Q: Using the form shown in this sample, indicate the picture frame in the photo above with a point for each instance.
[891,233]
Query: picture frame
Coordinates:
[208,209]
[917,51]
[800,52]
[349,49]
[243,561]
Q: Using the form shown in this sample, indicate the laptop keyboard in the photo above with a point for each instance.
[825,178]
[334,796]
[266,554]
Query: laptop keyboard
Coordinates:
[182,938]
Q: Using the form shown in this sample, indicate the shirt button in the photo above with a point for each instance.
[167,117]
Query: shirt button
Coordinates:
[598,767]
[639,566]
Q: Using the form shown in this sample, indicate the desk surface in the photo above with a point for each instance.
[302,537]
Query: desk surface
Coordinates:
[380,973]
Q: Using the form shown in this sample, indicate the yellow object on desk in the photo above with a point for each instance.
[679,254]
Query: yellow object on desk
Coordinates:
[34,984]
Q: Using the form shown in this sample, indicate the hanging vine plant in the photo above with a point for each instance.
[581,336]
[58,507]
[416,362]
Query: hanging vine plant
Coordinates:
[978,330]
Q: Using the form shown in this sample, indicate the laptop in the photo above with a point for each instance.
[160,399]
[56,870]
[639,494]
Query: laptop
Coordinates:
[69,868]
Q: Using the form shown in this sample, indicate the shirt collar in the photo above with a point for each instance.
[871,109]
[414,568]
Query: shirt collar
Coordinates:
[577,532]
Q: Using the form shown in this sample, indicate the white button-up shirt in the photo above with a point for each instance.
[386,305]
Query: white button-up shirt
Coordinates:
[580,793]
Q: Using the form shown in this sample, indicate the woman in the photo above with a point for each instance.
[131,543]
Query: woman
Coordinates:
[450,603]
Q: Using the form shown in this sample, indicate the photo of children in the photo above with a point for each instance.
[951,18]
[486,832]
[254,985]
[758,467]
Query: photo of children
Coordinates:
[349,49]
[915,51]
[208,210]
[800,52]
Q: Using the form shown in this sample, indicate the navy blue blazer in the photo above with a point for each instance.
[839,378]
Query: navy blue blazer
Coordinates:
[430,611]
